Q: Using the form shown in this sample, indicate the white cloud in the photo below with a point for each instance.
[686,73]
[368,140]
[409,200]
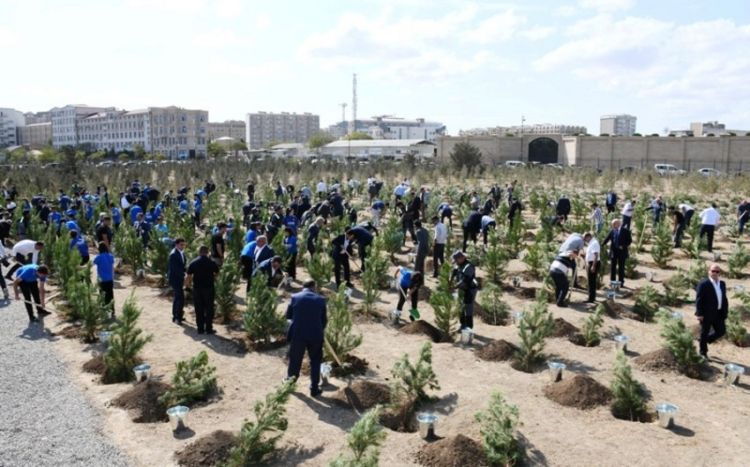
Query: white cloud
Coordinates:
[226,67]
[499,27]
[221,38]
[263,22]
[607,5]
[228,8]
[538,33]
[8,38]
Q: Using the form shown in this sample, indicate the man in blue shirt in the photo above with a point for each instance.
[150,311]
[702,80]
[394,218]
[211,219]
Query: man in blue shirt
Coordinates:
[105,271]
[248,261]
[79,242]
[290,243]
[31,278]
[408,287]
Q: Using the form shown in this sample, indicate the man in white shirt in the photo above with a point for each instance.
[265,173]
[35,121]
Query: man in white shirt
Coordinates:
[593,263]
[322,189]
[627,214]
[709,221]
[24,252]
[438,247]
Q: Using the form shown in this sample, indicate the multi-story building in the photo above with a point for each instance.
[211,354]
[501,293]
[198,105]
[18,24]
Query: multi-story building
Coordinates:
[231,128]
[179,133]
[65,123]
[617,125]
[38,117]
[36,135]
[115,130]
[531,129]
[388,127]
[10,123]
[263,128]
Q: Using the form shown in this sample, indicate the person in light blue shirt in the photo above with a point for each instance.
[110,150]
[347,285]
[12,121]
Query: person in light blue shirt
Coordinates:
[78,242]
[116,215]
[30,279]
[105,272]
[408,287]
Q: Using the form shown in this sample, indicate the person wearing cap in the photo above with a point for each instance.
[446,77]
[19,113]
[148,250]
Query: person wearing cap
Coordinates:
[105,272]
[24,252]
[711,308]
[30,279]
[464,276]
[307,315]
[408,288]
[201,274]
[558,270]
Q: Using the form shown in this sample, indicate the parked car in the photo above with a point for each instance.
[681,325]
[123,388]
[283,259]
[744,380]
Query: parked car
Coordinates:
[668,169]
[553,166]
[709,172]
[514,164]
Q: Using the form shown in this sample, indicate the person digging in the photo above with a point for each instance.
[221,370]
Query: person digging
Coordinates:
[408,288]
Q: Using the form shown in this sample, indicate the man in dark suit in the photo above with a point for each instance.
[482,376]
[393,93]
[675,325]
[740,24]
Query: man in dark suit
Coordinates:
[307,312]
[201,274]
[363,238]
[176,277]
[471,227]
[711,307]
[341,249]
[312,234]
[618,250]
[423,246]
[263,250]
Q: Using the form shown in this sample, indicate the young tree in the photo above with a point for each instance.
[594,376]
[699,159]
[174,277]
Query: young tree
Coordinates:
[125,344]
[226,283]
[320,139]
[446,307]
[495,258]
[661,250]
[466,155]
[363,441]
[738,260]
[535,326]
[679,341]
[628,400]
[376,269]
[495,310]
[260,319]
[320,266]
[90,306]
[339,328]
[646,303]
[194,380]
[498,428]
[736,331]
[158,257]
[591,326]
[411,381]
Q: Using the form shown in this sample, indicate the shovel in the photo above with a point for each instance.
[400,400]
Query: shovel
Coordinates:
[414,313]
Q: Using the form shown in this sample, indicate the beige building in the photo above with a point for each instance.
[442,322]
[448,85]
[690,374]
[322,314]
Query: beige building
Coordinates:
[231,128]
[178,133]
[725,153]
[36,135]
[264,128]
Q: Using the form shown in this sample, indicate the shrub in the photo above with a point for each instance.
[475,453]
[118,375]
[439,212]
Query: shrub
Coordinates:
[630,264]
[125,343]
[679,341]
[446,307]
[696,273]
[363,441]
[260,319]
[738,260]
[257,439]
[320,266]
[498,426]
[392,238]
[193,381]
[158,257]
[226,283]
[494,309]
[466,155]
[535,326]
[130,247]
[646,303]
[661,250]
[628,399]
[495,258]
[411,381]
[538,257]
[339,327]
[591,326]
[736,331]
[90,306]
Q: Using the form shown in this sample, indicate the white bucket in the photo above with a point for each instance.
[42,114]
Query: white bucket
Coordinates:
[677,315]
[177,417]
[516,281]
[666,412]
[732,373]
[621,343]
[739,288]
[518,317]
[142,372]
[615,285]
[427,422]
[325,372]
[556,370]
[104,337]
[467,335]
[395,316]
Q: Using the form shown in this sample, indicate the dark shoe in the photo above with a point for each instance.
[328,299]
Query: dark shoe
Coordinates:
[201,331]
[43,312]
[315,392]
[350,285]
[562,305]
[33,319]
[210,331]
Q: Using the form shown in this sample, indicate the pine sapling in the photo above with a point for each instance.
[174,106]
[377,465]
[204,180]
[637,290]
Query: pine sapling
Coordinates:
[661,250]
[495,310]
[376,269]
[738,260]
[675,289]
[679,341]
[628,400]
[260,318]
[257,439]
[446,307]
[225,285]
[363,441]
[495,259]
[411,381]
[125,344]
[591,326]
[498,429]
[646,303]
[339,332]
[90,306]
[158,257]
[194,380]
[535,326]
[320,266]
[736,331]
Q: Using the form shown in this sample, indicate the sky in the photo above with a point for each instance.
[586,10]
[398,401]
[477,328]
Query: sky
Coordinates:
[465,63]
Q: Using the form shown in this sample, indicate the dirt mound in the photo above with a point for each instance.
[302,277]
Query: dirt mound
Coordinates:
[424,294]
[578,339]
[617,310]
[563,328]
[351,366]
[497,351]
[452,452]
[212,449]
[489,318]
[423,327]
[363,395]
[580,391]
[400,417]
[143,400]
[95,365]
[69,332]
[658,360]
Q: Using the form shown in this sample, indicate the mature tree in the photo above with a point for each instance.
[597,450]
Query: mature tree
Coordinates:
[467,155]
[214,149]
[139,151]
[355,135]
[319,139]
[238,146]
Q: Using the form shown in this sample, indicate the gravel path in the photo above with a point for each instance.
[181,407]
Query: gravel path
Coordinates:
[44,419]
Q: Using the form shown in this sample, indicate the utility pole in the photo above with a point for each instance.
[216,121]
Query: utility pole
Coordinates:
[353,126]
[343,115]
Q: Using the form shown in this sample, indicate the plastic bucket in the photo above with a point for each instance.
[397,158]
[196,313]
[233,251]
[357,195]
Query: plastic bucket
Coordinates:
[104,337]
[518,317]
[732,373]
[395,316]
[427,422]
[142,372]
[621,343]
[556,370]
[325,372]
[516,281]
[666,412]
[467,335]
[177,417]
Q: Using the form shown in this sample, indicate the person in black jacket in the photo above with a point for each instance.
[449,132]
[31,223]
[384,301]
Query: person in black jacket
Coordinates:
[341,249]
[515,210]
[563,207]
[307,314]
[176,277]
[618,251]
[471,227]
[464,276]
[558,270]
[201,274]
[363,238]
[312,234]
[711,308]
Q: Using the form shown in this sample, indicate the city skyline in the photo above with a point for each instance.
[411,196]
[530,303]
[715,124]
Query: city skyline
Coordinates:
[468,65]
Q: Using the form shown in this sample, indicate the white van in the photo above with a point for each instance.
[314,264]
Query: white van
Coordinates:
[514,164]
[668,169]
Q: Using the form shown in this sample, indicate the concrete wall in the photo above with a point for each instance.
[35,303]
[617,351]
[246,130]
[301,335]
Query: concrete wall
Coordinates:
[725,153]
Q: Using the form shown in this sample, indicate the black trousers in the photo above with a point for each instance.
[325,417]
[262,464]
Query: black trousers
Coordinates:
[470,234]
[708,231]
[592,278]
[3,285]
[292,265]
[108,292]
[438,257]
[561,286]
[466,319]
[203,299]
[617,268]
[486,231]
[21,260]
[402,299]
[679,233]
[363,254]
[626,222]
[450,219]
[341,263]
[178,302]
[247,270]
[419,262]
[314,348]
[30,290]
[711,322]
[610,208]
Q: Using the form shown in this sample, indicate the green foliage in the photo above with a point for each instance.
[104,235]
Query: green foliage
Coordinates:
[446,307]
[498,426]
[260,319]
[89,306]
[628,400]
[376,269]
[538,257]
[339,328]
[130,247]
[257,439]
[320,266]
[319,139]
[631,263]
[646,303]
[675,289]
[736,331]
[696,273]
[495,309]
[466,155]
[357,135]
[392,237]
[738,260]
[679,341]
[591,326]
[513,240]
[158,257]
[363,441]
[193,381]
[661,250]
[226,283]
[125,343]
[535,326]
[411,381]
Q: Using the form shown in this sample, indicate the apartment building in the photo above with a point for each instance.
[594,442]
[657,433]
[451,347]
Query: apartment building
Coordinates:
[36,135]
[390,127]
[178,133]
[65,123]
[10,123]
[115,130]
[38,117]
[617,125]
[263,128]
[231,128]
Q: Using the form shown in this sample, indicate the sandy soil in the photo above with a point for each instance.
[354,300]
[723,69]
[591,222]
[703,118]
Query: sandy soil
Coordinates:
[712,422]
